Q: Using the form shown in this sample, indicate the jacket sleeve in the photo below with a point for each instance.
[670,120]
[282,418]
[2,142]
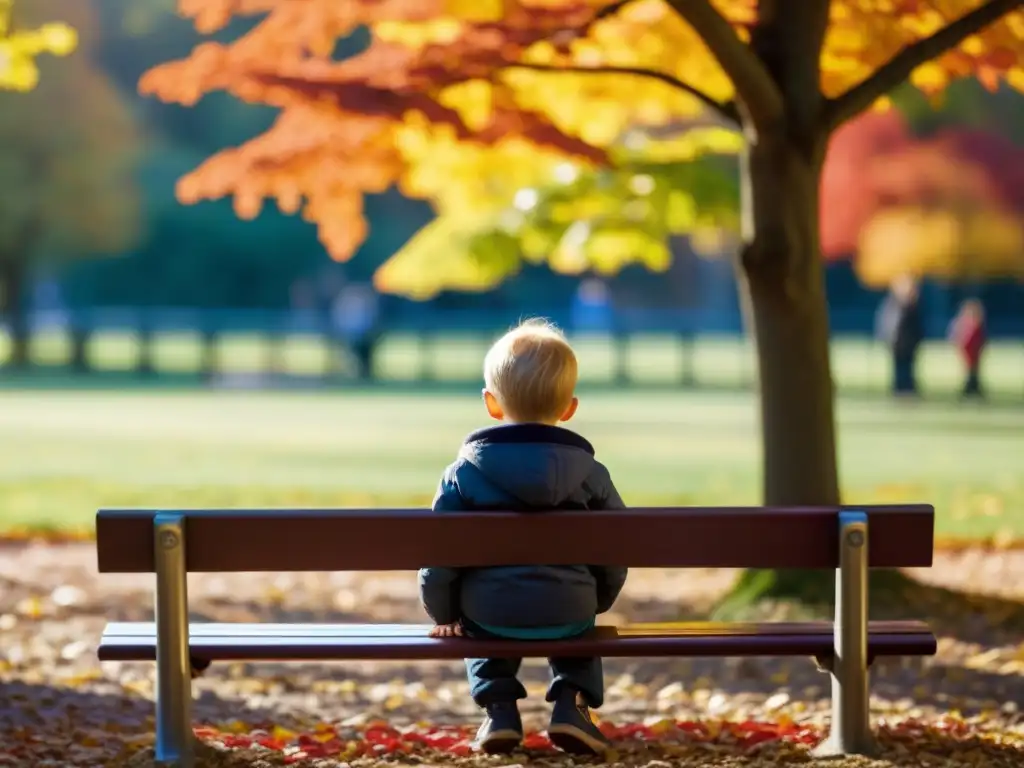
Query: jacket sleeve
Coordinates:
[439,587]
[610,579]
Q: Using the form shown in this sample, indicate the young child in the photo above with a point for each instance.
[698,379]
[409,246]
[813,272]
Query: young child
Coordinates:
[967,331]
[527,463]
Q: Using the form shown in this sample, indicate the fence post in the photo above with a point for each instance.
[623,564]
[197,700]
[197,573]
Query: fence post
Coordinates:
[424,344]
[209,359]
[144,338]
[275,340]
[688,378]
[620,345]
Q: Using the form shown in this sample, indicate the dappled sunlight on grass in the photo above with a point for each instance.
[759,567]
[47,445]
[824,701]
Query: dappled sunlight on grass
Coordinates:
[66,453]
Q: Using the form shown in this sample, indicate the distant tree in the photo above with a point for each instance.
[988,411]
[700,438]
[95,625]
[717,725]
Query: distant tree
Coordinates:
[949,206]
[846,201]
[19,47]
[67,152]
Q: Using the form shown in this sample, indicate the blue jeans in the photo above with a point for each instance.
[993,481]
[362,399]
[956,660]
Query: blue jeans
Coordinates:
[495,680]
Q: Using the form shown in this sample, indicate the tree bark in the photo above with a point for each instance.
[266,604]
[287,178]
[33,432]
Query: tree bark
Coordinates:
[784,293]
[14,280]
[782,274]
[782,277]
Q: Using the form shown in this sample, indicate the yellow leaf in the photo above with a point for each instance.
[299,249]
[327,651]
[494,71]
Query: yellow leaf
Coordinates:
[31,607]
[662,726]
[59,39]
[474,10]
[883,104]
[929,77]
[1004,539]
[283,734]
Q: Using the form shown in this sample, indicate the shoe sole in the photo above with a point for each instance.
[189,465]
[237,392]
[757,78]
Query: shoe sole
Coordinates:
[501,742]
[576,741]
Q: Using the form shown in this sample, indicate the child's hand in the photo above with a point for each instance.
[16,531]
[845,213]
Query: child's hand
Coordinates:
[447,630]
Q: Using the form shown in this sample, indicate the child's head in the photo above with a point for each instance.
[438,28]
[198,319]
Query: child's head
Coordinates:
[530,375]
[973,309]
[905,288]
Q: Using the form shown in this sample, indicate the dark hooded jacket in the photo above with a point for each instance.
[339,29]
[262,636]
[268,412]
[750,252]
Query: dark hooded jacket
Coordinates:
[523,467]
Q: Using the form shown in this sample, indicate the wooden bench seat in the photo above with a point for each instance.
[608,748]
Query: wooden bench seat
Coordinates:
[846,541]
[409,642]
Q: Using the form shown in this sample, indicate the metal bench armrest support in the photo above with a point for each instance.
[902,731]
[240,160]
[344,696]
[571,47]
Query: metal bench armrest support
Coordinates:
[174,741]
[850,731]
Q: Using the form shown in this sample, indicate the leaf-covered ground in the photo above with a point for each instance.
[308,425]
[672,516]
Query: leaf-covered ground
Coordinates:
[59,707]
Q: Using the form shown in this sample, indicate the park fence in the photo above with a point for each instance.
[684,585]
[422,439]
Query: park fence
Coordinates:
[638,349]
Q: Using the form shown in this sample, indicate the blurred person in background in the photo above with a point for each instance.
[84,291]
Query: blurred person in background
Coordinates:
[356,318]
[899,325]
[967,332]
[592,307]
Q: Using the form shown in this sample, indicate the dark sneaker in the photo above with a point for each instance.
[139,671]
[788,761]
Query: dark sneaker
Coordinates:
[502,729]
[572,730]
[199,667]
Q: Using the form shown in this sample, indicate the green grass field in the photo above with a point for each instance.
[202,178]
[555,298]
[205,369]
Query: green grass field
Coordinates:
[714,361]
[65,453]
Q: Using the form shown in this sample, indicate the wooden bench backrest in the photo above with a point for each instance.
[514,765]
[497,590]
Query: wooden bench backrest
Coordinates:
[406,539]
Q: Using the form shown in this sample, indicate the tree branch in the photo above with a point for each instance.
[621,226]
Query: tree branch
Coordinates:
[757,93]
[727,109]
[611,9]
[899,67]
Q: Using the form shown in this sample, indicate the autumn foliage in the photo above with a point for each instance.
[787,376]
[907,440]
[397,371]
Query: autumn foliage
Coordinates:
[19,48]
[453,94]
[447,87]
[950,205]
[68,150]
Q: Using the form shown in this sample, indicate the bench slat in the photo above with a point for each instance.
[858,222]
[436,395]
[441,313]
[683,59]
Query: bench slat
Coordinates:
[214,629]
[263,642]
[900,536]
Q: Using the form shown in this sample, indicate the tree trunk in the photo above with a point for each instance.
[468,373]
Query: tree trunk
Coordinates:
[783,282]
[783,277]
[14,281]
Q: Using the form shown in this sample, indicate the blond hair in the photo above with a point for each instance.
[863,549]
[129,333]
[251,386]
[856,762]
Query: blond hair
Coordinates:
[532,371]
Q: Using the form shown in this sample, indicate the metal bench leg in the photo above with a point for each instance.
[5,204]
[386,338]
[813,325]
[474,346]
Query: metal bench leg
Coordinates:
[174,739]
[850,731]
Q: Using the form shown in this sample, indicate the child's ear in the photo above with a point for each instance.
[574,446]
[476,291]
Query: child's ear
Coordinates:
[493,406]
[571,410]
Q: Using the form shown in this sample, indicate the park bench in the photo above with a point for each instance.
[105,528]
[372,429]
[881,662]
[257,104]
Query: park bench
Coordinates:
[849,540]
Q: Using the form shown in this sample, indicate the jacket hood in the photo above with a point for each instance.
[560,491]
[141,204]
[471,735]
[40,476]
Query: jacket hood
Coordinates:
[540,465]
